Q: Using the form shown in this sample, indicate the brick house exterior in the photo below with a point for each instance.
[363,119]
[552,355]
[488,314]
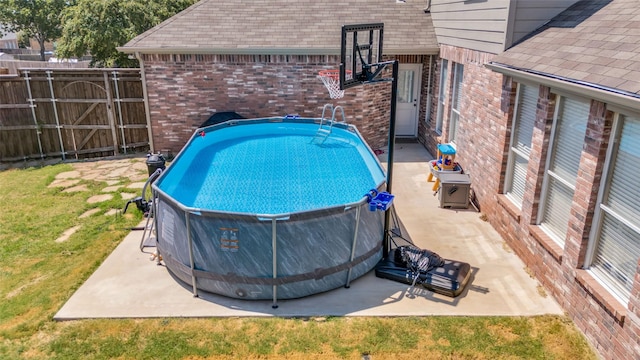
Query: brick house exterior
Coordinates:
[201,62]
[256,86]
[576,58]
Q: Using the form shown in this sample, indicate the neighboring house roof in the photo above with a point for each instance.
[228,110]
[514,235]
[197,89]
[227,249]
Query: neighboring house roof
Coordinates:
[594,43]
[9,36]
[286,27]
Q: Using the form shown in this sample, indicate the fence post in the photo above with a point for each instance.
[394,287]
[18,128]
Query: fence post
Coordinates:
[33,112]
[55,114]
[112,122]
[119,103]
[145,95]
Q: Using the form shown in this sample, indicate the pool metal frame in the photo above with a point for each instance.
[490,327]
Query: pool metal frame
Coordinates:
[273,218]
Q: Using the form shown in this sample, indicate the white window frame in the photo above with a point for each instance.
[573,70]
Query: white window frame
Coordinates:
[443,92]
[549,174]
[454,118]
[601,275]
[514,152]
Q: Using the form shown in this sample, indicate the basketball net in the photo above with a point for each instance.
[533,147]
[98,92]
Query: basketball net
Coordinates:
[331,79]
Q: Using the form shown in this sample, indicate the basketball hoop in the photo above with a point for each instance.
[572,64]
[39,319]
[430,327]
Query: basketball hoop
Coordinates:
[331,79]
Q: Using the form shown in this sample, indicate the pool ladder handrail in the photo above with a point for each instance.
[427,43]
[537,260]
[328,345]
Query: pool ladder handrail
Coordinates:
[322,130]
[149,225]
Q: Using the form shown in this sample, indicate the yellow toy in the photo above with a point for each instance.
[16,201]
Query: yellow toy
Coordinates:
[445,161]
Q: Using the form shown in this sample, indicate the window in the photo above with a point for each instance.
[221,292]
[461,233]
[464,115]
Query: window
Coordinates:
[442,95]
[615,240]
[458,70]
[567,139]
[522,131]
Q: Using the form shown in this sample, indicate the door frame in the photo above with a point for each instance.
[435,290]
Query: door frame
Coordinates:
[417,82]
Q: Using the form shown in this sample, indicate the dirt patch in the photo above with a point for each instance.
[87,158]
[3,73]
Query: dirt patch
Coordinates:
[18,290]
[65,235]
[68,175]
[502,332]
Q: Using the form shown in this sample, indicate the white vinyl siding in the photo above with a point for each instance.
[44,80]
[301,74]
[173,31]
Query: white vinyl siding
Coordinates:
[522,130]
[564,160]
[442,95]
[616,235]
[476,25]
[458,74]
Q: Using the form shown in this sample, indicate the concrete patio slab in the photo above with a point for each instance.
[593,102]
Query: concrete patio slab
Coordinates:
[129,285]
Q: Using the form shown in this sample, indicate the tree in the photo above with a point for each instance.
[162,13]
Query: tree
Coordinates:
[99,26]
[37,19]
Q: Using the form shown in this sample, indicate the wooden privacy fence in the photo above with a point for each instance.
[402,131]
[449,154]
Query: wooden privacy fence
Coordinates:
[71,114]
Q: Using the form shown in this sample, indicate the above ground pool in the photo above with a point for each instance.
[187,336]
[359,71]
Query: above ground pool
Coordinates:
[273,208]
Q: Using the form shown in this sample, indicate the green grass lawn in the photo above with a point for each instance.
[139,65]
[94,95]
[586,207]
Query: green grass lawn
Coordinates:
[38,274]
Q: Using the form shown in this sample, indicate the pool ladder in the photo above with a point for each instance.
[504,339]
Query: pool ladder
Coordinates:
[325,128]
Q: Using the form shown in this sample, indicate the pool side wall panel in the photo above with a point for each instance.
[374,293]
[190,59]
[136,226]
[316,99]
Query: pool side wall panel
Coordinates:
[308,244]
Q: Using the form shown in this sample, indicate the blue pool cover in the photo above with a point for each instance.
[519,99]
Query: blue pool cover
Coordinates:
[271,168]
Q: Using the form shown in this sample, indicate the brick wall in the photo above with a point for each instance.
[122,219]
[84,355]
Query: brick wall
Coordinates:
[482,145]
[184,90]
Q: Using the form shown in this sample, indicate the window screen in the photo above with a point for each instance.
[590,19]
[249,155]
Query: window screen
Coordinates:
[524,121]
[568,139]
[617,248]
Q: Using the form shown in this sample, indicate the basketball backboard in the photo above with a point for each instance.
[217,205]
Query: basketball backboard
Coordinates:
[361,48]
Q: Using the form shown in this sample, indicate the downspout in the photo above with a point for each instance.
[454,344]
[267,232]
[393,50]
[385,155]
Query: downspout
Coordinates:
[146,101]
[429,99]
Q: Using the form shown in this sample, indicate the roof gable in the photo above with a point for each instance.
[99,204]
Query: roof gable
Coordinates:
[286,27]
[593,42]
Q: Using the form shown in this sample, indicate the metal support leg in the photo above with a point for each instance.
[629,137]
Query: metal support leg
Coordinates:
[353,245]
[274,261]
[191,261]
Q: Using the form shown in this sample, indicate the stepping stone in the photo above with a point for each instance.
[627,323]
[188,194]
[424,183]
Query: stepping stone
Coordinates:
[92,174]
[65,235]
[63,183]
[127,196]
[88,213]
[68,175]
[111,188]
[112,182]
[117,172]
[111,212]
[99,198]
[108,165]
[78,188]
[141,166]
[139,177]
[84,166]
[136,185]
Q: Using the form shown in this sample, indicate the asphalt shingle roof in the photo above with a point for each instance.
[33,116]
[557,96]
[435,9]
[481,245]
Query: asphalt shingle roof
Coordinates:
[593,41]
[287,27]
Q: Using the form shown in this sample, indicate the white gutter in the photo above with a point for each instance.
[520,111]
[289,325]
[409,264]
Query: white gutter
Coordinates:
[143,75]
[589,90]
[262,51]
